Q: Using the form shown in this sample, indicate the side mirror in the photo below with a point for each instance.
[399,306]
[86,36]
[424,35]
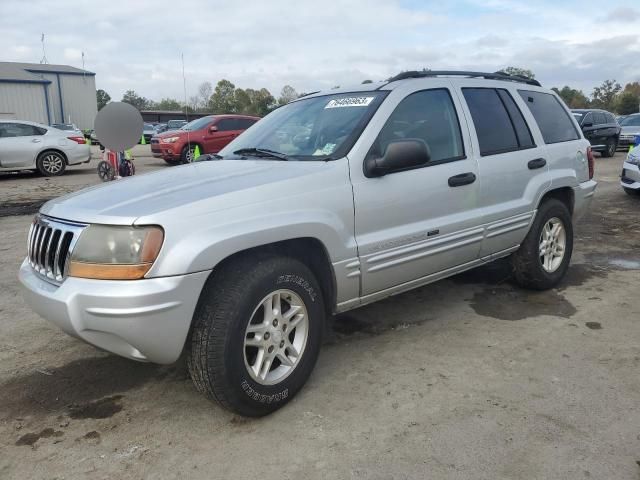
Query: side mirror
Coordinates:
[213,128]
[399,155]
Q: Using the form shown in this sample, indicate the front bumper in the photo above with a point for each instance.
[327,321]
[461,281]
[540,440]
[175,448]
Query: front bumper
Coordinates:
[582,197]
[630,177]
[625,141]
[165,150]
[146,320]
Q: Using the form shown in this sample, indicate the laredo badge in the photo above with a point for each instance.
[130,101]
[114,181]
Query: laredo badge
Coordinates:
[349,102]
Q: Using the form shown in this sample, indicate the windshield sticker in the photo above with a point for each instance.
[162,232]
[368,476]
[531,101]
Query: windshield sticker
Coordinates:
[349,102]
[326,150]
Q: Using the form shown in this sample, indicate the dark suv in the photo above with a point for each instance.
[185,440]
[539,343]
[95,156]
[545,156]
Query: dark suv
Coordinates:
[600,128]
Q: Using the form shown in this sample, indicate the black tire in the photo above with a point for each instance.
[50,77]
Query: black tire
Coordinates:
[186,155]
[527,265]
[631,192]
[106,171]
[216,348]
[173,161]
[51,163]
[612,146]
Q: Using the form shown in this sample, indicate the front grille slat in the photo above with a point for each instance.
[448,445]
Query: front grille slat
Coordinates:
[50,245]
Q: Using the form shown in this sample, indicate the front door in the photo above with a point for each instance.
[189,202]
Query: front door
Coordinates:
[226,130]
[412,224]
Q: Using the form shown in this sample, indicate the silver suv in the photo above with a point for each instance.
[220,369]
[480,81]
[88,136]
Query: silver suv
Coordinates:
[333,201]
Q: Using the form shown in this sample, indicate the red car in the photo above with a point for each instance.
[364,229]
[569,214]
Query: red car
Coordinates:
[210,134]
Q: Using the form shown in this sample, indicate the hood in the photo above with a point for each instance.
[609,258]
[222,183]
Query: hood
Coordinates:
[210,185]
[172,133]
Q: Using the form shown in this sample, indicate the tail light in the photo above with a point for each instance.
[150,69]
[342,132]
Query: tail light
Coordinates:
[78,139]
[590,161]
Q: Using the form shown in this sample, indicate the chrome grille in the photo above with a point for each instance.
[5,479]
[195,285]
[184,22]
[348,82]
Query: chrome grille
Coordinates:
[50,245]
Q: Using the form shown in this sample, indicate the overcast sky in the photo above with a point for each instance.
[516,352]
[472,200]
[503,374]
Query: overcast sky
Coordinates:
[312,45]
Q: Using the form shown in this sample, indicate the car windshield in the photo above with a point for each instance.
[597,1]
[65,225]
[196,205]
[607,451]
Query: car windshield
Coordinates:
[317,128]
[197,124]
[633,121]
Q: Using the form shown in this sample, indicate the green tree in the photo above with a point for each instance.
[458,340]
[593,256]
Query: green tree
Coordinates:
[168,104]
[522,72]
[287,94]
[627,103]
[223,98]
[102,98]
[604,96]
[572,97]
[132,98]
[262,102]
[633,87]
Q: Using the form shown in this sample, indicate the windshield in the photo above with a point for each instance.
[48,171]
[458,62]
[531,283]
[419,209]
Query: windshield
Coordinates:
[633,121]
[197,124]
[63,126]
[316,128]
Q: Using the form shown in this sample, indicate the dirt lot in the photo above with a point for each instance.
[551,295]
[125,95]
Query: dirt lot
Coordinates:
[468,378]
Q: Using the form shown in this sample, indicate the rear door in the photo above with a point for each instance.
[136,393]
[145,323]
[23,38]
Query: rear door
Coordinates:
[511,161]
[411,225]
[589,128]
[19,144]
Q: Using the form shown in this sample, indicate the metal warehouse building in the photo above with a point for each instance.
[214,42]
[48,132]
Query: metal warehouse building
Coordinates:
[47,93]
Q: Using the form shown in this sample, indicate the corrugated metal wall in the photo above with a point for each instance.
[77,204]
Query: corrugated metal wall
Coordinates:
[23,101]
[79,99]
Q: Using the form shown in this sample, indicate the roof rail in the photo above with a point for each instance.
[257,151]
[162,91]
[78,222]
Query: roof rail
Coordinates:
[452,73]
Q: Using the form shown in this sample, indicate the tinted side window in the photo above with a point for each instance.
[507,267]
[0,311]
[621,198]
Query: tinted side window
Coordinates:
[428,115]
[525,140]
[609,118]
[493,125]
[20,130]
[553,120]
[226,124]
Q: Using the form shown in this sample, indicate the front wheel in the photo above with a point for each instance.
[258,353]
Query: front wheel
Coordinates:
[543,257]
[188,153]
[257,333]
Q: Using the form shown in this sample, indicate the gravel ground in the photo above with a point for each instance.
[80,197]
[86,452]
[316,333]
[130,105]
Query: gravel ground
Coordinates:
[467,378]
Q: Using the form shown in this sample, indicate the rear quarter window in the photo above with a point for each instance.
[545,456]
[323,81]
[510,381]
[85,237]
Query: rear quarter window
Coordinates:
[552,119]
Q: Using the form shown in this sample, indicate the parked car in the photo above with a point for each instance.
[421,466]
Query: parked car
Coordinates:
[68,127]
[239,260]
[209,134]
[630,130]
[600,128]
[175,124]
[148,131]
[161,127]
[33,146]
[619,118]
[630,178]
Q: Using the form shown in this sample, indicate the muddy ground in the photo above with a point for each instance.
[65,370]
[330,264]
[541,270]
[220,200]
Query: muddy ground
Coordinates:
[468,378]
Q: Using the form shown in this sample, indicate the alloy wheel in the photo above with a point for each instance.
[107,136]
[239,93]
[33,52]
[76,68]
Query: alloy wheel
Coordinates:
[553,242]
[52,163]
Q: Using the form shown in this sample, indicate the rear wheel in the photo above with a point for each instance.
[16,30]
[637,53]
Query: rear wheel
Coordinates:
[543,257]
[610,149]
[51,164]
[257,333]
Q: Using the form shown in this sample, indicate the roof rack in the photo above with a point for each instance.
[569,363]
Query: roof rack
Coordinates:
[451,73]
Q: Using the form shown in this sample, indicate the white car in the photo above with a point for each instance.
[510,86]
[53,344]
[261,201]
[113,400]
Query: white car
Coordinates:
[33,146]
[68,128]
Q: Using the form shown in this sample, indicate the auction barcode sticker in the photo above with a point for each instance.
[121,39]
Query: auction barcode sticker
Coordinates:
[349,102]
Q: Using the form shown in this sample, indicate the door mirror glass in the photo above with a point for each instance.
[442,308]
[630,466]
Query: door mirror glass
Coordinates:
[399,155]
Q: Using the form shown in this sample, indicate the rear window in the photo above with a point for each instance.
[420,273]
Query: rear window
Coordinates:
[553,120]
[499,124]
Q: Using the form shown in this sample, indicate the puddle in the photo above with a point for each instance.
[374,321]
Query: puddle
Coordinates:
[29,439]
[625,264]
[103,408]
[579,273]
[516,304]
[619,260]
[47,390]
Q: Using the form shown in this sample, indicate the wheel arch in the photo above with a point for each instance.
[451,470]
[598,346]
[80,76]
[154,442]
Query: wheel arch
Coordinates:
[55,150]
[564,194]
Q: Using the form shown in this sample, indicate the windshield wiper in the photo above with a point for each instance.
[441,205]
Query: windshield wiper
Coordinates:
[262,152]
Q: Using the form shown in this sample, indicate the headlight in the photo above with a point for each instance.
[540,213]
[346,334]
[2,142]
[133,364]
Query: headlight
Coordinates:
[634,156]
[169,139]
[115,253]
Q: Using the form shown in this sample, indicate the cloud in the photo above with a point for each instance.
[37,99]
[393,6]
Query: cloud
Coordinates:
[312,46]
[622,14]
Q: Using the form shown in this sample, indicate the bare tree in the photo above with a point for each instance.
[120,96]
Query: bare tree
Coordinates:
[204,94]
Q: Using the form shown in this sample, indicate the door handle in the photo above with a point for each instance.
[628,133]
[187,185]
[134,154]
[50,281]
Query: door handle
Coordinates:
[537,163]
[35,140]
[462,179]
